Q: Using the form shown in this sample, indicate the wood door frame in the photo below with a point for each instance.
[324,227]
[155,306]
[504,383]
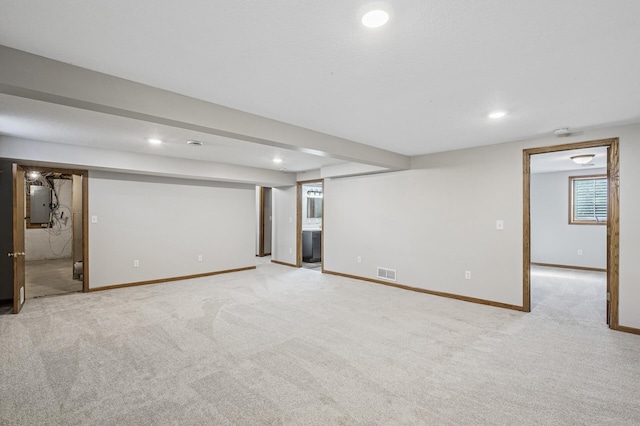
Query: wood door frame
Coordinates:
[613,220]
[19,297]
[85,213]
[261,251]
[299,222]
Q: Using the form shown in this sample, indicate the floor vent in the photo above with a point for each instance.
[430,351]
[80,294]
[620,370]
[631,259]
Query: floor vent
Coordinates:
[387,274]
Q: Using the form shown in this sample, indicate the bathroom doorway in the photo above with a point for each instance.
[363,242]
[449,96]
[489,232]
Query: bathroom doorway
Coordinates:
[310,215]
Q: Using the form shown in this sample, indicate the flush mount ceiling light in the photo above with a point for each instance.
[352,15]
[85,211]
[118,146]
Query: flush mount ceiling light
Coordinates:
[277,160]
[154,141]
[497,114]
[194,143]
[375,18]
[582,159]
[376,14]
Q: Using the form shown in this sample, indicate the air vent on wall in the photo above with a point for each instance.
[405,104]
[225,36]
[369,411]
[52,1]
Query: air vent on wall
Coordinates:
[387,274]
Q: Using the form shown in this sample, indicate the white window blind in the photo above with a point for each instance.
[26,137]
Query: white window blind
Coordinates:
[589,196]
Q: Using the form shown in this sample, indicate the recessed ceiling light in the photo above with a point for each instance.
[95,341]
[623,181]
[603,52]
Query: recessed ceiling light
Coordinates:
[497,114]
[375,18]
[154,141]
[277,160]
[194,143]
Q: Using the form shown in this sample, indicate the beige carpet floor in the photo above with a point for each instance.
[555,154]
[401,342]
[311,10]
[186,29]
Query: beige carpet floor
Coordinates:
[291,346]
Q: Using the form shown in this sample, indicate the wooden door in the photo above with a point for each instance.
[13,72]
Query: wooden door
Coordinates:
[6,230]
[18,238]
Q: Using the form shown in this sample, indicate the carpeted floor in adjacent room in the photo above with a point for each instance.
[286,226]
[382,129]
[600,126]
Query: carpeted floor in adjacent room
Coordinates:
[281,345]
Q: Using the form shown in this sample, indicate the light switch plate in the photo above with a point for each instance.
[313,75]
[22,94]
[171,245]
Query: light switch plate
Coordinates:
[500,225]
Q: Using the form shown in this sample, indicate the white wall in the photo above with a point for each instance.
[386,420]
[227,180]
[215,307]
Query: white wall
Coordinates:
[436,221]
[166,223]
[309,175]
[53,243]
[629,226]
[553,239]
[284,224]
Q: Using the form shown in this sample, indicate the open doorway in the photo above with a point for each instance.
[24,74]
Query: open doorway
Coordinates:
[265,221]
[572,253]
[310,234]
[54,231]
[568,204]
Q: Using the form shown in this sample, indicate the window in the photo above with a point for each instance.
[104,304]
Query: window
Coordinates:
[588,200]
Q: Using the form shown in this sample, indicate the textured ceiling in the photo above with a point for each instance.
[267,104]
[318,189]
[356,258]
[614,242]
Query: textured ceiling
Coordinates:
[423,83]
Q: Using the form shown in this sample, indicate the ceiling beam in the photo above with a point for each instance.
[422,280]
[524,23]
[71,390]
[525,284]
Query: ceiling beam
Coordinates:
[35,77]
[39,153]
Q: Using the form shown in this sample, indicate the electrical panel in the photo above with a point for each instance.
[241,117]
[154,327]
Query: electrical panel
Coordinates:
[40,204]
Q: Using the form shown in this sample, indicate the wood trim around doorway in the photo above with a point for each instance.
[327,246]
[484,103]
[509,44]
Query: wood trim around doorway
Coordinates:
[613,221]
[85,214]
[85,230]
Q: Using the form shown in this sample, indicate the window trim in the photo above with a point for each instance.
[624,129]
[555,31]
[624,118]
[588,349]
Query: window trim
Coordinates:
[573,221]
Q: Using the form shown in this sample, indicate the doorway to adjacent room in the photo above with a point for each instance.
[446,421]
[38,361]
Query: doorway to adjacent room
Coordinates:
[310,233]
[611,296]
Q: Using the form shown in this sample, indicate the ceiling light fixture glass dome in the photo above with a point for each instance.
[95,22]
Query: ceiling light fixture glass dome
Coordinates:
[376,14]
[582,159]
[375,18]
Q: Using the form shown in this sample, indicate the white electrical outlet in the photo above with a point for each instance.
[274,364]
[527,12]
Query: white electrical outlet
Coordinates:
[290,250]
[136,263]
[580,252]
[94,219]
[467,275]
[199,258]
[359,259]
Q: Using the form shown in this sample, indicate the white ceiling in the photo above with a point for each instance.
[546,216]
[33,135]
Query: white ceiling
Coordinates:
[423,83]
[37,120]
[561,160]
